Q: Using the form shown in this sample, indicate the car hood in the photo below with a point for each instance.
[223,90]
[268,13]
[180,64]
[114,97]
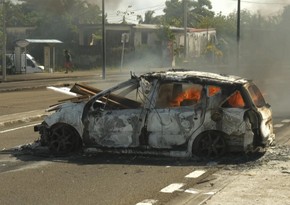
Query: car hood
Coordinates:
[68,113]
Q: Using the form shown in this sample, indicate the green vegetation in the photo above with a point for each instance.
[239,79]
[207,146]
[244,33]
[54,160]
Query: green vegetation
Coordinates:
[59,19]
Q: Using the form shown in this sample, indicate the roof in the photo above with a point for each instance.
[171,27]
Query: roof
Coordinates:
[196,76]
[155,27]
[43,41]
[26,42]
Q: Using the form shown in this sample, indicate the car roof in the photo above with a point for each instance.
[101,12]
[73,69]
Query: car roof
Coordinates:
[196,77]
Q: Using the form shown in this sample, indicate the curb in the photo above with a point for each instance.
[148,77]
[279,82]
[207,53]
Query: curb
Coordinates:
[18,118]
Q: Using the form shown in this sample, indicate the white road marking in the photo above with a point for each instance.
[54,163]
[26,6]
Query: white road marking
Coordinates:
[17,128]
[191,191]
[64,90]
[286,121]
[147,202]
[195,174]
[172,188]
[279,125]
[210,193]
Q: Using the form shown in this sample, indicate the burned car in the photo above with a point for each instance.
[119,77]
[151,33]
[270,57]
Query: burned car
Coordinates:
[176,113]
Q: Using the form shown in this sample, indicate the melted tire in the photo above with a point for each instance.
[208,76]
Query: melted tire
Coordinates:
[209,145]
[63,140]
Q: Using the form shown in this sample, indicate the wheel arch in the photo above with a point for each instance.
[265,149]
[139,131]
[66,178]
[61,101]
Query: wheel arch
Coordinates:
[75,132]
[199,134]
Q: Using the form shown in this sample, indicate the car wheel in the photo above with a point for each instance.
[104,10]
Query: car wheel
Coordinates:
[63,139]
[210,144]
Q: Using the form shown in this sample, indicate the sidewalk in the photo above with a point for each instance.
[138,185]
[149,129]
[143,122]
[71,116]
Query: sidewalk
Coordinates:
[33,80]
[24,117]
[54,75]
[38,80]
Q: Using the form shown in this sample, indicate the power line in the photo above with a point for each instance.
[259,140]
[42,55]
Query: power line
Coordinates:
[255,2]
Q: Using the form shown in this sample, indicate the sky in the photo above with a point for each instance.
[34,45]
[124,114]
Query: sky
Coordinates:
[139,7]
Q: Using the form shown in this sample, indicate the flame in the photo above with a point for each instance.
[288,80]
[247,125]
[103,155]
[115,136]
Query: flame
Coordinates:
[236,100]
[192,93]
[212,90]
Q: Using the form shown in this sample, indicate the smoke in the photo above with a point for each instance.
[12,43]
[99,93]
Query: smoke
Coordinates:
[109,4]
[265,7]
[264,56]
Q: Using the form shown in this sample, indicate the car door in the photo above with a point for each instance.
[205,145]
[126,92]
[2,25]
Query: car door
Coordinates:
[115,128]
[234,122]
[113,120]
[177,113]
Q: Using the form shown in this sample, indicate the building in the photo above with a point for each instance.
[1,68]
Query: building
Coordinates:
[142,38]
[142,45]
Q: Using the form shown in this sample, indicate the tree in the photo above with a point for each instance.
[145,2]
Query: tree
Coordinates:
[199,10]
[59,18]
[196,10]
[149,18]
[173,13]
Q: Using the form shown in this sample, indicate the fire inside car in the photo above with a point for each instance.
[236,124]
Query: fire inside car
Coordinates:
[176,113]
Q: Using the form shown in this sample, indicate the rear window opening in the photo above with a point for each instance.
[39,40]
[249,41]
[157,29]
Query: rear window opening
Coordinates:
[236,100]
[256,96]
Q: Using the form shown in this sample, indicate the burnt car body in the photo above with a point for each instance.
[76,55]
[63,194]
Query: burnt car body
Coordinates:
[176,113]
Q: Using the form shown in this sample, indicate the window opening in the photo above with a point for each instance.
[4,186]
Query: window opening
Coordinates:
[235,101]
[178,94]
[213,90]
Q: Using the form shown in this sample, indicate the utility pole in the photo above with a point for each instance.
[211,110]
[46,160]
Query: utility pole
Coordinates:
[4,42]
[104,41]
[185,27]
[238,32]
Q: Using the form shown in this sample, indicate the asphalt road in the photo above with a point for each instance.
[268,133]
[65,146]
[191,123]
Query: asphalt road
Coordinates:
[102,179]
[85,179]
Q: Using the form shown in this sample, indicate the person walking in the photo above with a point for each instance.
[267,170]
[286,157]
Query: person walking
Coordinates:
[67,61]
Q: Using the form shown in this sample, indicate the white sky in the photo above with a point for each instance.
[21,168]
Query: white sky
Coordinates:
[266,7]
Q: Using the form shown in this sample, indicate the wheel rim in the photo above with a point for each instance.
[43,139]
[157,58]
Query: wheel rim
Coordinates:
[210,145]
[63,139]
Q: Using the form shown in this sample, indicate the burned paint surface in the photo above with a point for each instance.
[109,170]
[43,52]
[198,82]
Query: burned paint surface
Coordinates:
[172,127]
[114,128]
[68,113]
[168,111]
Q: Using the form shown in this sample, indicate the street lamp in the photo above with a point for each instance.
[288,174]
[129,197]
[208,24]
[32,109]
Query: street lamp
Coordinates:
[238,31]
[185,9]
[4,42]
[104,41]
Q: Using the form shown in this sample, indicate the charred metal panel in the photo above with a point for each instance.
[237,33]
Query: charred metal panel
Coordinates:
[239,129]
[266,125]
[196,77]
[172,126]
[123,121]
[68,113]
[115,128]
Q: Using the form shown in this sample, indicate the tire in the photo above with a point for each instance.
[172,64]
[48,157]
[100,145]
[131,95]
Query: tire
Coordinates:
[209,144]
[63,139]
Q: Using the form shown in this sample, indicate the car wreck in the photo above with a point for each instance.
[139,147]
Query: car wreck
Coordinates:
[176,113]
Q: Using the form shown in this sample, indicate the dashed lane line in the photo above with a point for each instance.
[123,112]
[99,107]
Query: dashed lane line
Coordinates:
[282,123]
[278,125]
[177,187]
[195,174]
[147,202]
[172,188]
